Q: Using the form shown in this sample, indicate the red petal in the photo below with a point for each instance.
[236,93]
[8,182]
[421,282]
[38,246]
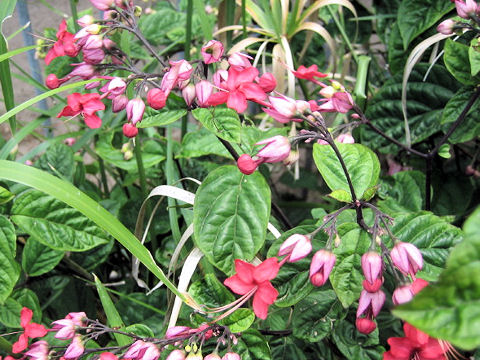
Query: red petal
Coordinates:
[61,29]
[432,350]
[34,330]
[401,347]
[25,316]
[244,271]
[21,344]
[93,105]
[75,101]
[50,56]
[67,111]
[267,292]
[253,91]
[415,335]
[218,98]
[237,285]
[267,270]
[260,308]
[237,101]
[93,121]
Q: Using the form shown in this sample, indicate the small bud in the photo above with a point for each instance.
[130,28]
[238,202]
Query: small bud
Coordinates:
[130,130]
[189,94]
[321,266]
[52,81]
[119,103]
[371,266]
[276,149]
[246,164]
[176,355]
[407,258]
[296,247]
[135,109]
[446,27]
[138,11]
[203,90]
[402,295]
[345,139]
[156,98]
[365,326]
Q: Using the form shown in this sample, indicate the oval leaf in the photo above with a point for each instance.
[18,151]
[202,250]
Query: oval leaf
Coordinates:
[223,122]
[37,259]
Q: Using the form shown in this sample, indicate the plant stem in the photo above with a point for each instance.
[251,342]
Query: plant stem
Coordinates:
[343,33]
[188,39]
[244,19]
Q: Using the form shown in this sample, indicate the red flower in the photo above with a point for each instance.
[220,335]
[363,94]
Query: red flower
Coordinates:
[250,278]
[86,105]
[65,44]
[31,330]
[309,73]
[415,345]
[239,88]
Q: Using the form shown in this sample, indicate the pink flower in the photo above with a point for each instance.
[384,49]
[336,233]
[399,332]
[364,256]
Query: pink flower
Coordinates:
[203,91]
[267,82]
[283,109]
[75,349]
[246,164]
[38,351]
[466,9]
[69,141]
[93,42]
[178,75]
[119,103]
[82,70]
[407,258]
[370,304]
[340,102]
[276,149]
[189,93]
[130,130]
[239,61]
[212,51]
[116,87]
[309,73]
[239,88]
[65,44]
[86,105]
[93,56]
[446,27]
[135,109]
[102,4]
[296,247]
[177,331]
[65,329]
[220,78]
[142,350]
[250,278]
[321,266]
[86,20]
[417,285]
[402,295]
[371,266]
[156,98]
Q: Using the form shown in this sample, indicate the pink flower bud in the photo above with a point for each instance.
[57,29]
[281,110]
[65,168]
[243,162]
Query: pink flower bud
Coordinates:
[345,139]
[108,356]
[267,82]
[466,9]
[446,27]
[93,56]
[321,266]
[134,349]
[102,4]
[371,266]
[284,105]
[365,326]
[65,329]
[177,331]
[296,247]
[220,78]
[246,164]
[38,351]
[75,349]
[276,149]
[176,355]
[130,130]
[370,303]
[402,295]
[212,51]
[156,98]
[93,42]
[70,142]
[407,258]
[203,90]
[86,20]
[83,70]
[231,356]
[151,352]
[116,87]
[135,109]
[52,81]
[189,94]
[119,103]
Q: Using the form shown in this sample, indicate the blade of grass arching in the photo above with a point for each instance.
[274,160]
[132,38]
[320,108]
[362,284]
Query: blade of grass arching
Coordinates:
[45,95]
[19,136]
[360,91]
[258,14]
[16,52]
[74,197]
[16,32]
[170,173]
[114,319]
[275,11]
[318,4]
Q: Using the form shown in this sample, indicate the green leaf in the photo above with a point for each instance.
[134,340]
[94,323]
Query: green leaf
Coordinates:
[164,20]
[474,57]
[57,160]
[432,235]
[355,345]
[140,330]
[210,292]
[425,103]
[341,195]
[453,194]
[152,153]
[28,298]
[470,127]
[5,195]
[200,143]
[450,308]
[38,259]
[361,162]
[113,317]
[239,321]
[223,122]
[457,61]
[444,151]
[231,213]
[174,110]
[403,192]
[253,346]
[54,224]
[415,17]
[10,313]
[314,316]
[370,193]
[346,276]
[9,270]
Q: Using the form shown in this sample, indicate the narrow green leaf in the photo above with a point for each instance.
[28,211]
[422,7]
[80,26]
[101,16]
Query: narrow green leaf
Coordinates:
[223,122]
[113,317]
[231,213]
[19,136]
[14,52]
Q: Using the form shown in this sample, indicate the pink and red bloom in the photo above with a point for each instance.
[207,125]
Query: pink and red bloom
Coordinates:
[296,247]
[86,105]
[65,44]
[30,330]
[407,258]
[321,266]
[309,73]
[212,51]
[255,280]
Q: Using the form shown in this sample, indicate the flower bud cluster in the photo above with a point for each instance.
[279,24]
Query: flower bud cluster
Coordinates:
[276,149]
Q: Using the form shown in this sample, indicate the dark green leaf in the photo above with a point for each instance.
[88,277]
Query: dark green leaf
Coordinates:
[425,102]
[5,195]
[253,346]
[457,61]
[453,194]
[361,162]
[415,17]
[10,313]
[200,143]
[346,276]
[89,260]
[223,122]
[231,213]
[239,321]
[55,224]
[355,345]
[57,160]
[474,57]
[470,127]
[314,316]
[210,292]
[450,308]
[173,110]
[162,21]
[37,259]
[404,192]
[9,270]
[140,330]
